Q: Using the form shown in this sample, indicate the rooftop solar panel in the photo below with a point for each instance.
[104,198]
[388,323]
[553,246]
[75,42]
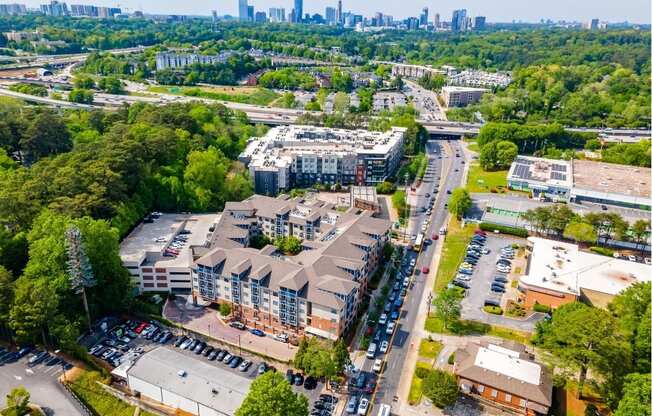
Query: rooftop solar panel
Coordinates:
[558,176]
[558,168]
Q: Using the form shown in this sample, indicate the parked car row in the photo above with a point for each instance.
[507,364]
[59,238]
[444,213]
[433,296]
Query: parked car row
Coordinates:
[325,406]
[173,249]
[503,267]
[474,251]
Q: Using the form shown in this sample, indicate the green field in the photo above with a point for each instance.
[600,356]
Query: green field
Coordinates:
[481,181]
[245,95]
[453,252]
[429,349]
[414,397]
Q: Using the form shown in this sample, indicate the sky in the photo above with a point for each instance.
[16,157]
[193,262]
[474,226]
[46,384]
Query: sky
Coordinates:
[635,11]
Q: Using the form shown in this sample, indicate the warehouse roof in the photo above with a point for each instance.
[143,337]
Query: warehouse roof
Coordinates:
[203,383]
[611,178]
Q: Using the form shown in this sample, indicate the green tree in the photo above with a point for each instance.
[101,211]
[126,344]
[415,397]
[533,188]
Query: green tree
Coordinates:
[111,85]
[441,388]
[225,309]
[80,96]
[459,202]
[636,396]
[640,229]
[6,293]
[631,309]
[17,402]
[288,100]
[506,152]
[385,188]
[341,102]
[289,245]
[582,338]
[35,304]
[46,135]
[271,395]
[204,178]
[84,82]
[447,307]
[581,232]
[341,356]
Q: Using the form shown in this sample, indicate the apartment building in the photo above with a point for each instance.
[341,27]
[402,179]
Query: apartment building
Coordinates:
[316,291]
[504,376]
[289,156]
[207,255]
[461,96]
[170,60]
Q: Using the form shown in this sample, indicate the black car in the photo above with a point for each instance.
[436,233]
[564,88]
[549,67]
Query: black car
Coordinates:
[327,398]
[289,375]
[235,361]
[495,283]
[359,382]
[471,260]
[491,302]
[193,345]
[501,279]
[221,354]
[461,284]
[213,355]
[199,348]
[298,379]
[497,289]
[207,351]
[180,340]
[310,383]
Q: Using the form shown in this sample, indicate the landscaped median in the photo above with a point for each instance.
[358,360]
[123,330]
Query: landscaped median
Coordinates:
[453,251]
[428,353]
[237,94]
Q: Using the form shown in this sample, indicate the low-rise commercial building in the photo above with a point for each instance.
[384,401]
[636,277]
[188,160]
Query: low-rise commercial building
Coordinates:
[303,156]
[461,96]
[504,376]
[559,273]
[582,181]
[188,384]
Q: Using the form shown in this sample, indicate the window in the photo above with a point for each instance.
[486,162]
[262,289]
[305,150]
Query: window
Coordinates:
[480,389]
[494,393]
[508,397]
[159,270]
[148,284]
[148,277]
[523,403]
[161,278]
[161,285]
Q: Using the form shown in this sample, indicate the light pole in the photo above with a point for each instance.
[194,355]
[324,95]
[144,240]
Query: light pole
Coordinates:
[429,302]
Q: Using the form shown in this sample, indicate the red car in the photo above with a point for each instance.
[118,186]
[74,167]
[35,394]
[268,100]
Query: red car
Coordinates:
[425,270]
[435,237]
[140,328]
[480,232]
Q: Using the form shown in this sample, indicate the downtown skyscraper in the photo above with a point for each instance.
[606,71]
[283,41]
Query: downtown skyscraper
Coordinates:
[298,11]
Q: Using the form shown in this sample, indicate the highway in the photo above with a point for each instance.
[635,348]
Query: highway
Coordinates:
[280,116]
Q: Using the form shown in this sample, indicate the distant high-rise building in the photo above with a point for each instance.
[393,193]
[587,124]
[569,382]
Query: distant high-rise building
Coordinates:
[412,23]
[338,14]
[423,19]
[458,22]
[276,14]
[379,20]
[298,11]
[594,24]
[437,22]
[260,17]
[291,17]
[214,14]
[250,13]
[12,9]
[479,22]
[243,6]
[331,15]
[54,9]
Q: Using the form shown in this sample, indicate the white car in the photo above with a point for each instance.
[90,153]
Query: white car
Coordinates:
[378,365]
[383,319]
[384,346]
[390,328]
[363,407]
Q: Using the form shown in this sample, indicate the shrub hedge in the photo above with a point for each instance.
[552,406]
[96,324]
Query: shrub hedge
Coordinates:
[517,231]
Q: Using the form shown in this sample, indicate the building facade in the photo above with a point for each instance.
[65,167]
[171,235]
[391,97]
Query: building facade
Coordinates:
[170,60]
[303,156]
[461,96]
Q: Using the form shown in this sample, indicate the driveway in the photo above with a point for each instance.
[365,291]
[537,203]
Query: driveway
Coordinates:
[480,290]
[41,382]
[205,321]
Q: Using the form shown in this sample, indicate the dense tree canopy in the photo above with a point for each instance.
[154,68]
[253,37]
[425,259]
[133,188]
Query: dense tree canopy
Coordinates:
[271,395]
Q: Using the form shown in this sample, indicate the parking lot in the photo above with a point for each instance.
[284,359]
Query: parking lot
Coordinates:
[123,341]
[41,382]
[480,282]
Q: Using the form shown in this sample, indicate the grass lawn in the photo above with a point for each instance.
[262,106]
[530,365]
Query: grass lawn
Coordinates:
[481,181]
[414,397]
[97,399]
[463,327]
[474,147]
[429,349]
[238,94]
[453,252]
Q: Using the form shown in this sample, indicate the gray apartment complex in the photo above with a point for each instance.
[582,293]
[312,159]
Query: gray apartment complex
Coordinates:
[316,291]
[289,156]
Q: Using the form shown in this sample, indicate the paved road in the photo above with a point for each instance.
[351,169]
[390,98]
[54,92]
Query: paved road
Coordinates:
[388,385]
[41,382]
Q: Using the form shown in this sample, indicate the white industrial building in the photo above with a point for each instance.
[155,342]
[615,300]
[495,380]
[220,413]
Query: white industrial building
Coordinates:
[186,383]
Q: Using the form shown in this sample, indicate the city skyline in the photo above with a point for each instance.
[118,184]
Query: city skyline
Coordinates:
[634,11]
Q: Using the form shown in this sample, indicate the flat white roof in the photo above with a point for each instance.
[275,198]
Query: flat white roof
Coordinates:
[456,88]
[149,240]
[210,385]
[508,364]
[563,268]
